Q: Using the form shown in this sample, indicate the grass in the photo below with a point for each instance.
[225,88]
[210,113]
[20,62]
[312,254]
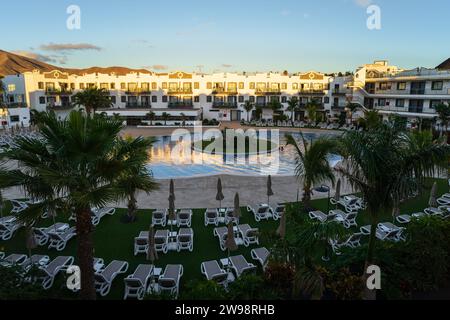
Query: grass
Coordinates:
[114,240]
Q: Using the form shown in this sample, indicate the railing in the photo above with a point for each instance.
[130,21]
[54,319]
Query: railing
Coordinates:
[180,91]
[338,107]
[339,92]
[415,109]
[268,91]
[138,91]
[225,91]
[15,105]
[417,91]
[181,105]
[58,92]
[312,91]
[220,104]
[65,105]
[138,105]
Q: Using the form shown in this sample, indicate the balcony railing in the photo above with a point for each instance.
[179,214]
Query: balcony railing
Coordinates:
[415,109]
[312,91]
[181,105]
[225,105]
[268,91]
[63,105]
[339,92]
[225,91]
[417,91]
[138,105]
[180,91]
[138,91]
[14,105]
[58,92]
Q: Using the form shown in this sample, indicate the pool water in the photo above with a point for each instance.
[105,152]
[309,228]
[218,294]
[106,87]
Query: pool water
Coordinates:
[176,159]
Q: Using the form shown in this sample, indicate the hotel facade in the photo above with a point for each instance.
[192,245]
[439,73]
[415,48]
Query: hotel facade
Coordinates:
[193,97]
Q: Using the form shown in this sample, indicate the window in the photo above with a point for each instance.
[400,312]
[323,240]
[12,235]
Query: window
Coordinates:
[295,86]
[434,103]
[381,102]
[82,86]
[123,86]
[11,87]
[104,86]
[252,86]
[145,86]
[154,99]
[154,86]
[400,103]
[241,99]
[113,86]
[164,85]
[41,100]
[241,86]
[197,99]
[385,86]
[401,86]
[14,118]
[196,85]
[283,99]
[327,100]
[437,85]
[252,99]
[41,86]
[164,98]
[208,99]
[209,85]
[123,99]
[284,86]
[113,99]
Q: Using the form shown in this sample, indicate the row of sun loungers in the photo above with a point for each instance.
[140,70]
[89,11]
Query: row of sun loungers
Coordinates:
[348,220]
[183,218]
[184,240]
[245,233]
[97,215]
[350,203]
[266,212]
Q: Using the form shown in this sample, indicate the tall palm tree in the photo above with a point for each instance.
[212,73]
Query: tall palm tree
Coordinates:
[351,108]
[138,177]
[165,116]
[248,107]
[293,103]
[312,164]
[384,164]
[75,163]
[311,109]
[92,99]
[371,119]
[443,110]
[151,116]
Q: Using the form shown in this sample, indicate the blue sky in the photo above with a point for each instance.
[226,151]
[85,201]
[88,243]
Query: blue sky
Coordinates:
[230,35]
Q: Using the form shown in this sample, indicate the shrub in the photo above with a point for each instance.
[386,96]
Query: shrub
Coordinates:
[250,287]
[203,290]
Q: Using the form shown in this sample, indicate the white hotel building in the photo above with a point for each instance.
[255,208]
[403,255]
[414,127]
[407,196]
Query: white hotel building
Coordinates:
[411,94]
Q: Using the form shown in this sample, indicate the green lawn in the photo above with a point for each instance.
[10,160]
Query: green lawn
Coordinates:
[115,240]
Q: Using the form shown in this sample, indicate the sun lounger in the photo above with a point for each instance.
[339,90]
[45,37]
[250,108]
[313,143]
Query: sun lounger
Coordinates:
[249,235]
[184,218]
[211,217]
[347,219]
[159,218]
[59,241]
[141,243]
[51,270]
[322,217]
[18,206]
[444,201]
[406,218]
[162,241]
[221,234]
[98,214]
[229,217]
[263,212]
[241,266]
[433,212]
[213,272]
[36,260]
[13,259]
[261,255]
[169,281]
[7,230]
[185,239]
[42,234]
[2,255]
[277,211]
[104,279]
[136,284]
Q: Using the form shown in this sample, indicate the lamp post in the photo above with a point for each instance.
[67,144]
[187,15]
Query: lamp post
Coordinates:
[324,189]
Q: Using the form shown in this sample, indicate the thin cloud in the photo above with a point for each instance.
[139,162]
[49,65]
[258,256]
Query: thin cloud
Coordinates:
[157,67]
[69,47]
[42,57]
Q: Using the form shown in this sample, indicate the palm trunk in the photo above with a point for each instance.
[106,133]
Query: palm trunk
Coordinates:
[370,294]
[132,208]
[85,252]
[307,196]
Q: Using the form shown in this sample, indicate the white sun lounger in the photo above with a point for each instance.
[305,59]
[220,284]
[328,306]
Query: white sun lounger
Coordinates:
[249,235]
[98,214]
[169,281]
[211,217]
[213,272]
[51,270]
[221,233]
[322,217]
[433,211]
[141,243]
[162,241]
[240,265]
[229,217]
[263,212]
[444,201]
[7,230]
[261,255]
[13,260]
[18,206]
[347,219]
[42,234]
[136,284]
[159,218]
[277,211]
[406,218]
[185,239]
[184,218]
[59,241]
[2,255]
[104,279]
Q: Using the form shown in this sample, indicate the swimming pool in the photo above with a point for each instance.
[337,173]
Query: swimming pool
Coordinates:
[175,159]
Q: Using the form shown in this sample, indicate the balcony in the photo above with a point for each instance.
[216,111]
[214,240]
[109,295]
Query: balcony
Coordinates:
[225,105]
[60,106]
[172,91]
[231,92]
[339,92]
[181,105]
[269,91]
[338,107]
[138,91]
[58,92]
[14,105]
[138,105]
[414,109]
[417,91]
[315,92]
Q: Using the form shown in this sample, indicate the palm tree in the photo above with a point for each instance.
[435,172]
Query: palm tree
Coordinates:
[92,99]
[76,163]
[293,103]
[311,109]
[165,116]
[312,164]
[248,107]
[258,112]
[443,110]
[384,164]
[183,119]
[138,177]
[151,116]
[351,108]
[371,119]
